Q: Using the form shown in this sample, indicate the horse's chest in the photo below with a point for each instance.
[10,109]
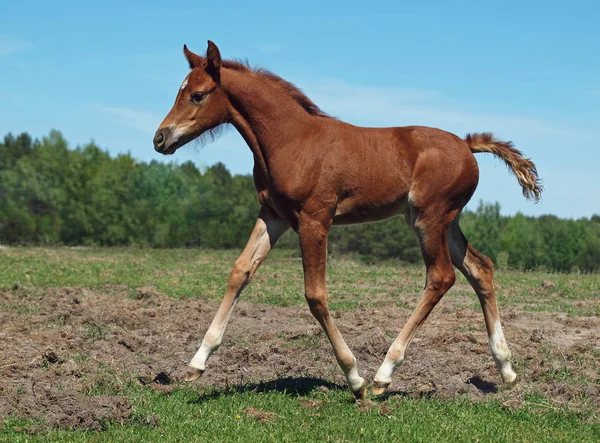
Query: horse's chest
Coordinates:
[287,190]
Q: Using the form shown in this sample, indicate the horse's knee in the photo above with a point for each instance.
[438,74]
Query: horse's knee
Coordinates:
[441,280]
[448,280]
[317,304]
[240,274]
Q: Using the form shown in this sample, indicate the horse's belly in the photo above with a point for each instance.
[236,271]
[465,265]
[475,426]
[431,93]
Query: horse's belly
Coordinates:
[349,213]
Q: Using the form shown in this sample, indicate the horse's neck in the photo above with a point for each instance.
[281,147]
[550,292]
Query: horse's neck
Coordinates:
[265,115]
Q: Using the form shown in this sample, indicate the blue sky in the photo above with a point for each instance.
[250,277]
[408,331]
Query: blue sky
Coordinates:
[529,71]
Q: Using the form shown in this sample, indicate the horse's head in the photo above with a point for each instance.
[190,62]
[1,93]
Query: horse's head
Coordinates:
[200,106]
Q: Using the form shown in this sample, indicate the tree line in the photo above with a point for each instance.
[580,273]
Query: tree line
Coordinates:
[53,195]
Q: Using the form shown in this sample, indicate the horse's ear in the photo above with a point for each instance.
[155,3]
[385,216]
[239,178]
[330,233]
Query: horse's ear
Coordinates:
[213,60]
[193,59]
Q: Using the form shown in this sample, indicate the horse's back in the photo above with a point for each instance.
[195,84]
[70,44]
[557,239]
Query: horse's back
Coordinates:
[382,170]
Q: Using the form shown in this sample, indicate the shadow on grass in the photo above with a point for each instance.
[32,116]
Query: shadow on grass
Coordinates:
[293,386]
[484,386]
[301,386]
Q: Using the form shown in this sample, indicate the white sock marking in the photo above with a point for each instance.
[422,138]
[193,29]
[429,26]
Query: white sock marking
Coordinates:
[385,371]
[501,353]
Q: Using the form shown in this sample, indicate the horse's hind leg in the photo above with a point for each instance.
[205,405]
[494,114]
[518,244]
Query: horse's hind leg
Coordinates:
[265,234]
[479,270]
[432,230]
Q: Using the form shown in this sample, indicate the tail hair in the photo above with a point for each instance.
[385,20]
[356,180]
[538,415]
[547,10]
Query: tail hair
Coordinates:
[522,167]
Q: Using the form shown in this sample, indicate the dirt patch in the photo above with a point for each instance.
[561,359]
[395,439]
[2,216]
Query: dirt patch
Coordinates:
[261,416]
[61,347]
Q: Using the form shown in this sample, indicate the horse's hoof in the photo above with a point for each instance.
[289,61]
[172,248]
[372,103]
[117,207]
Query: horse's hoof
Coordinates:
[511,382]
[379,389]
[361,392]
[193,374]
[509,377]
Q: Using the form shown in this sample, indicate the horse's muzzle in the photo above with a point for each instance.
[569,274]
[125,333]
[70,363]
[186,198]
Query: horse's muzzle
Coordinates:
[160,140]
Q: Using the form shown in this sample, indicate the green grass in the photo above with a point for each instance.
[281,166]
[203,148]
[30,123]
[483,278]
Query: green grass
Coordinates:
[572,294]
[191,415]
[193,272]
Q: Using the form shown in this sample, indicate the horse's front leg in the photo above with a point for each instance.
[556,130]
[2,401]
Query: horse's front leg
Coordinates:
[313,242]
[265,234]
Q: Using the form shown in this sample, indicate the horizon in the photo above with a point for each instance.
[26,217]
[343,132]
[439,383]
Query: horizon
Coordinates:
[472,207]
[96,75]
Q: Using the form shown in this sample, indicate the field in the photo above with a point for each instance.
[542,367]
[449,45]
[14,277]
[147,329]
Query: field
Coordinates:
[94,343]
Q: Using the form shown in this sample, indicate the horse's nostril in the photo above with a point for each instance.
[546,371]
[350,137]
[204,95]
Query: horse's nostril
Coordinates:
[159,141]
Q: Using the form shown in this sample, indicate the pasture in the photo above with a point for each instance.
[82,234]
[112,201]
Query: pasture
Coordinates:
[94,343]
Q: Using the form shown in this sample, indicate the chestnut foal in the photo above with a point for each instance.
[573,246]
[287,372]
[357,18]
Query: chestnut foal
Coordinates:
[312,171]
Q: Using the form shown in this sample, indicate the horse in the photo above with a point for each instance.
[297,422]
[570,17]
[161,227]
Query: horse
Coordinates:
[312,171]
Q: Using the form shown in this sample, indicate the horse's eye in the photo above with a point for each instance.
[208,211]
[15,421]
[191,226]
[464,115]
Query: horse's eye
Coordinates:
[198,96]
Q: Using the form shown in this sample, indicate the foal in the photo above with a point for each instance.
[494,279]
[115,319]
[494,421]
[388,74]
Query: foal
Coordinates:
[312,171]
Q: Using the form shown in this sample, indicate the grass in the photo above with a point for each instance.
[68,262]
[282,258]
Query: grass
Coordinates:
[259,413]
[319,415]
[193,272]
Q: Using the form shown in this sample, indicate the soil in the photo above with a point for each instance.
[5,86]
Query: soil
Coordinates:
[60,348]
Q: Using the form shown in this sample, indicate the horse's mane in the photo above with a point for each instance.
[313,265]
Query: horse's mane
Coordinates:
[289,88]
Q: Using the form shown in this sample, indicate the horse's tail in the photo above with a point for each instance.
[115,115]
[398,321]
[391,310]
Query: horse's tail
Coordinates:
[522,167]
